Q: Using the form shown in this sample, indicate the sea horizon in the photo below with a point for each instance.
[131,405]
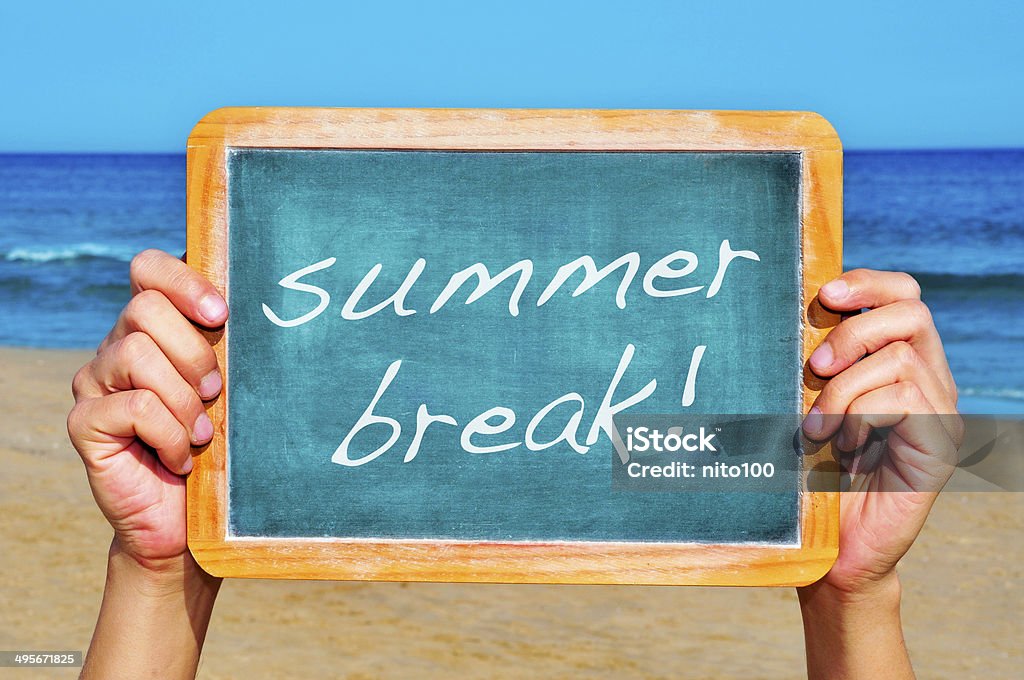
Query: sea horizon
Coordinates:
[846,151]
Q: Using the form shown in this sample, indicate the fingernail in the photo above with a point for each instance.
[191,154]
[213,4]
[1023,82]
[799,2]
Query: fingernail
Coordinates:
[210,385]
[835,290]
[813,421]
[822,357]
[213,308]
[203,429]
[187,467]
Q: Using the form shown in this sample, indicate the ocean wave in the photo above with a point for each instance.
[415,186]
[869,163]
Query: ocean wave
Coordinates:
[75,251]
[996,393]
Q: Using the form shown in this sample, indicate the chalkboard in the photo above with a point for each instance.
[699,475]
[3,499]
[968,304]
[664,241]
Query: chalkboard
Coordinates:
[435,316]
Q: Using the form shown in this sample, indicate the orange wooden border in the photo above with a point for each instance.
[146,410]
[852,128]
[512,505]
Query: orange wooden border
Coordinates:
[521,130]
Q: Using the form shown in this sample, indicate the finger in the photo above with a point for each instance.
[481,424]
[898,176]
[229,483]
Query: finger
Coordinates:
[136,362]
[894,363]
[922,454]
[103,427]
[150,312]
[868,288]
[906,320]
[191,293]
[882,407]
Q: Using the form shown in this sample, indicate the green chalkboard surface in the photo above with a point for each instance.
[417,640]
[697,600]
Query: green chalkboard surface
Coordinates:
[301,375]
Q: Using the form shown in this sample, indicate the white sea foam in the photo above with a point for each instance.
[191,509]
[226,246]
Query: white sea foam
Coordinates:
[997,393]
[74,251]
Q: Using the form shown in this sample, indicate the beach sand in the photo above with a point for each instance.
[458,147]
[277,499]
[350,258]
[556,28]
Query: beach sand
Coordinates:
[962,584]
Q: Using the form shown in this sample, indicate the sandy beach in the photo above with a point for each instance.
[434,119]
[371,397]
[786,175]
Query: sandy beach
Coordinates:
[962,584]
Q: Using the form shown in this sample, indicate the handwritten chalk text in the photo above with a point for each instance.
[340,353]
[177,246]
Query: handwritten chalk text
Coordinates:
[667,268]
[494,429]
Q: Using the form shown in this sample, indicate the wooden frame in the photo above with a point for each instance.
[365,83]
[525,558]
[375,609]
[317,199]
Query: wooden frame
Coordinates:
[528,130]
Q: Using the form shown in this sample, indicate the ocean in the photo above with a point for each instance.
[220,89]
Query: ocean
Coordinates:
[70,224]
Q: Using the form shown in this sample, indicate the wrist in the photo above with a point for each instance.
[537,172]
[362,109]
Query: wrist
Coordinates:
[161,578]
[854,632]
[879,594]
[154,615]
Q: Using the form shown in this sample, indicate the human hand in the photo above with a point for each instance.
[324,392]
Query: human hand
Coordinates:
[888,373]
[890,405]
[139,407]
[138,410]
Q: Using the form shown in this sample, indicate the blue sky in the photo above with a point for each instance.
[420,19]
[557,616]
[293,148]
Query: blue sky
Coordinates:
[103,76]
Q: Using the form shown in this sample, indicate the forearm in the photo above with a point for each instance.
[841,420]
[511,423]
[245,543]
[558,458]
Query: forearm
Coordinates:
[853,636]
[152,622]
